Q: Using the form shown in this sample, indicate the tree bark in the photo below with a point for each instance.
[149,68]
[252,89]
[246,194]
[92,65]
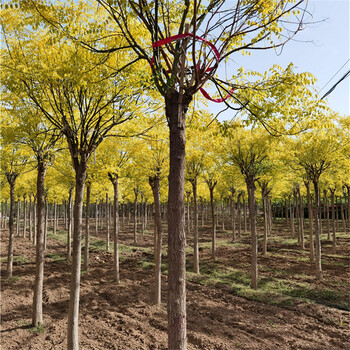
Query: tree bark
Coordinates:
[87,228]
[46,219]
[176,116]
[54,217]
[136,192]
[213,227]
[317,231]
[107,223]
[24,216]
[37,317]
[309,208]
[301,220]
[69,219]
[333,217]
[114,180]
[154,183]
[73,312]
[18,218]
[195,233]
[11,178]
[30,219]
[252,218]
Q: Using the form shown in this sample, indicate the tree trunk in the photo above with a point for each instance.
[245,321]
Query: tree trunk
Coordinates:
[30,219]
[87,228]
[11,178]
[107,223]
[46,219]
[252,218]
[73,312]
[244,214]
[326,212]
[333,217]
[317,231]
[239,209]
[309,209]
[54,217]
[233,216]
[69,219]
[24,216]
[301,219]
[135,215]
[188,194]
[114,180]
[342,214]
[195,221]
[96,218]
[37,317]
[286,210]
[213,227]
[18,218]
[154,183]
[35,209]
[175,113]
[264,202]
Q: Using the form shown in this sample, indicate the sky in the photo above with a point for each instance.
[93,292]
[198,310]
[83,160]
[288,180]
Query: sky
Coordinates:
[322,48]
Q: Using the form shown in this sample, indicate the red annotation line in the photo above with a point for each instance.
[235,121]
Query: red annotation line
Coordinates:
[212,46]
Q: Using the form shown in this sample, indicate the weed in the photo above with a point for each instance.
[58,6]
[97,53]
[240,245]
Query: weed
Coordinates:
[38,329]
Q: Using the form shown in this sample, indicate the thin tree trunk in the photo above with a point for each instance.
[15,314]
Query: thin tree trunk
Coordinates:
[37,317]
[239,209]
[55,217]
[30,219]
[309,208]
[114,180]
[154,183]
[301,220]
[333,217]
[342,214]
[252,219]
[35,219]
[213,227]
[195,233]
[69,219]
[244,215]
[264,202]
[135,215]
[107,223]
[87,228]
[233,216]
[326,213]
[24,216]
[46,220]
[11,178]
[18,219]
[96,218]
[317,232]
[73,312]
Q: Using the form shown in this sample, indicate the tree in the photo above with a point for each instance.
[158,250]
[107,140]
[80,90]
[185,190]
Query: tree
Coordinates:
[315,152]
[248,149]
[240,27]
[75,102]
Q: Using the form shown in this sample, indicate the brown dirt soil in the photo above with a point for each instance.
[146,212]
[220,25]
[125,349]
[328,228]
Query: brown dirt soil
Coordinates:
[123,317]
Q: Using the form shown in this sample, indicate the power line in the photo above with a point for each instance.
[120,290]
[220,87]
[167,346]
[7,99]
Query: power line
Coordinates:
[334,86]
[335,73]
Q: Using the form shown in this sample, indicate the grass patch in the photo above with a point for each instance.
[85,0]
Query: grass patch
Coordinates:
[56,256]
[12,279]
[38,329]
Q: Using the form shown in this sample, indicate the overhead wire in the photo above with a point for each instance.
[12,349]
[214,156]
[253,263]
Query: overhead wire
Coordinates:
[335,85]
[336,73]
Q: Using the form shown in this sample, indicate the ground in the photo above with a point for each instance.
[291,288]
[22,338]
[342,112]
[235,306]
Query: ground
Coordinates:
[290,310]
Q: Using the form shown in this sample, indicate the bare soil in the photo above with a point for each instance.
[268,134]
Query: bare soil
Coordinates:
[123,317]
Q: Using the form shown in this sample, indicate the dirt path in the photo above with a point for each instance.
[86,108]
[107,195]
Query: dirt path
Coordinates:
[121,316]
